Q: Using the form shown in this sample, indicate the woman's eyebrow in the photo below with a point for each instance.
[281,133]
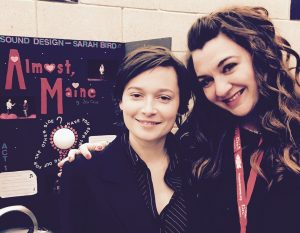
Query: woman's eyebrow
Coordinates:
[224,60]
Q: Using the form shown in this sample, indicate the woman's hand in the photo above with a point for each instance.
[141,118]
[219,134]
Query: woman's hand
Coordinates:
[84,150]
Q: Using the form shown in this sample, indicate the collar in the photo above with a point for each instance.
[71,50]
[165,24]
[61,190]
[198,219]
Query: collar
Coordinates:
[135,159]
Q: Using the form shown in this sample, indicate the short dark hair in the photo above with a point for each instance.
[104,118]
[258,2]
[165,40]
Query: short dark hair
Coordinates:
[146,58]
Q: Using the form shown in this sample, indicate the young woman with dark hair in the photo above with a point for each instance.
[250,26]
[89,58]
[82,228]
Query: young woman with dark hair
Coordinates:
[138,184]
[244,130]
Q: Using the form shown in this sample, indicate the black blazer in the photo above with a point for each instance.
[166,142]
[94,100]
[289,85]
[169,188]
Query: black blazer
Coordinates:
[101,195]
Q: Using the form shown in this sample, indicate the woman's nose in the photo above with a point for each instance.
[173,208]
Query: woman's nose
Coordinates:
[149,107]
[222,86]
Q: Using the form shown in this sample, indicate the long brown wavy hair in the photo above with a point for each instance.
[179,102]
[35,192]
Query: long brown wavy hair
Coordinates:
[278,106]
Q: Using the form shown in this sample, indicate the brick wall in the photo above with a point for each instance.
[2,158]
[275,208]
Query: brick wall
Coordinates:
[126,20]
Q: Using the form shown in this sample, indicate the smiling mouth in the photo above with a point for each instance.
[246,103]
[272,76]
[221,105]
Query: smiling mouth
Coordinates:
[234,97]
[148,122]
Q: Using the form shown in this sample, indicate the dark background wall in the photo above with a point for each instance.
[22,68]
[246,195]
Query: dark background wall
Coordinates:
[295,9]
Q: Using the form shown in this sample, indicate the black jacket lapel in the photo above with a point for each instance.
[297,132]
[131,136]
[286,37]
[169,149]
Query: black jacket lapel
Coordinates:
[122,193]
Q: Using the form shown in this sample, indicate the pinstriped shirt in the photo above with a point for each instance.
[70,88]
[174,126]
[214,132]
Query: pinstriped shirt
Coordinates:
[174,217]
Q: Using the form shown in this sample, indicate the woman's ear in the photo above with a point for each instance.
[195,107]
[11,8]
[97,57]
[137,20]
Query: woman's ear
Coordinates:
[121,105]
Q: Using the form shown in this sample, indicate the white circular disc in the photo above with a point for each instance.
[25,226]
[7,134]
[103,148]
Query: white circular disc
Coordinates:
[64,138]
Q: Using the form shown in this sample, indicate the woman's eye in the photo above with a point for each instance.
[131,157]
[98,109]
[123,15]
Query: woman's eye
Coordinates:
[136,95]
[227,68]
[165,98]
[205,82]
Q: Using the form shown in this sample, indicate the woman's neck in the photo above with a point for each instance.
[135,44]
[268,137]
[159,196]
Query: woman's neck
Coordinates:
[149,151]
[251,122]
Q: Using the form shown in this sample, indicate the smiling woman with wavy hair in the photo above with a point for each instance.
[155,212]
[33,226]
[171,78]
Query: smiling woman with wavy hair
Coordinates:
[245,97]
[278,107]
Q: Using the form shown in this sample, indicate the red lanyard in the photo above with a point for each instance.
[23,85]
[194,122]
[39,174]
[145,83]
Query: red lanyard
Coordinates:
[243,195]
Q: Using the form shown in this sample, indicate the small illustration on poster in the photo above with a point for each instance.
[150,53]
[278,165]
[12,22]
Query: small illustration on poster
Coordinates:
[16,107]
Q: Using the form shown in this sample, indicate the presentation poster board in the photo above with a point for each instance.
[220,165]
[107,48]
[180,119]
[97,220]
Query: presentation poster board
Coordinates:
[54,94]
